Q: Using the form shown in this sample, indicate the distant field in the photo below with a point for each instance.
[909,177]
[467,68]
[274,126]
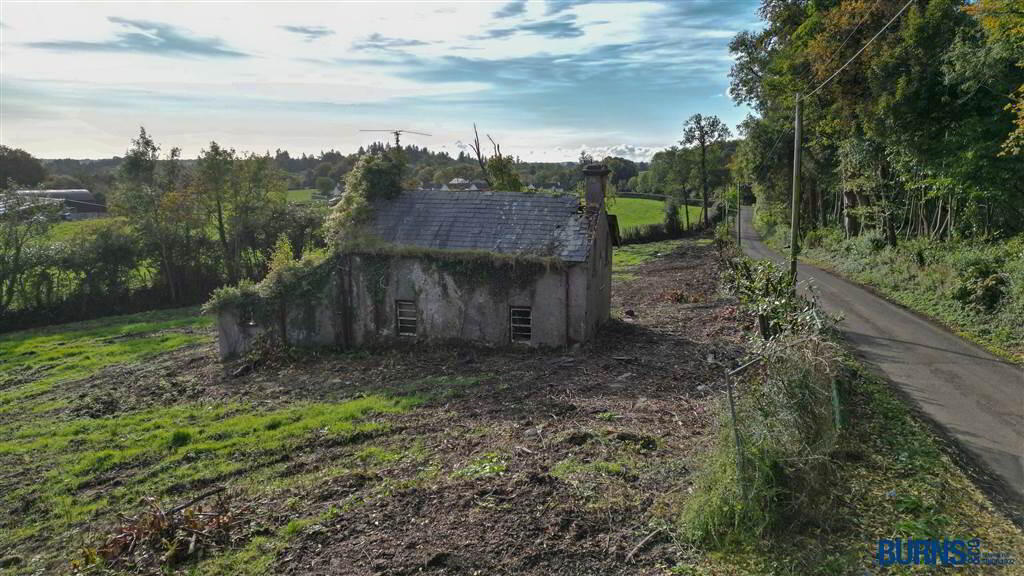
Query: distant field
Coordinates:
[303,196]
[633,212]
[68,230]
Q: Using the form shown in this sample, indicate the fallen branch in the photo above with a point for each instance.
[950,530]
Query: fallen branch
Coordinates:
[629,557]
[195,500]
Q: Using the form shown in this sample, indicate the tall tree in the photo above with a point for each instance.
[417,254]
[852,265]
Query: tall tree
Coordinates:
[149,193]
[19,167]
[22,220]
[215,167]
[704,131]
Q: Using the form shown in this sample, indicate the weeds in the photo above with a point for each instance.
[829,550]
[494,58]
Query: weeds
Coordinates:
[490,464]
[770,465]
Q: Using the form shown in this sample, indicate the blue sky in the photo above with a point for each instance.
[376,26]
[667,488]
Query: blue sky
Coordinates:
[546,79]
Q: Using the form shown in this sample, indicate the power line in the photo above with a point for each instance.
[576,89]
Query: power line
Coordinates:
[776,145]
[862,48]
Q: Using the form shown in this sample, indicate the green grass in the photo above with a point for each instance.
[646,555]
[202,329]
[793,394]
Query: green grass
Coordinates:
[302,196]
[625,258]
[70,230]
[632,212]
[167,450]
[46,356]
[489,464]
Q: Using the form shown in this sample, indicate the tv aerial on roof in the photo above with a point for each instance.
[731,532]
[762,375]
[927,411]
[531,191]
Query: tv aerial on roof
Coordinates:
[398,134]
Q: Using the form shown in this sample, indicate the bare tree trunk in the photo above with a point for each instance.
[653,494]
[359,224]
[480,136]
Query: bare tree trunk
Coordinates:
[850,224]
[480,156]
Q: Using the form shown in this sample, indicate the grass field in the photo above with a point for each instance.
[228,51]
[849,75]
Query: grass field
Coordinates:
[302,196]
[33,361]
[633,212]
[67,231]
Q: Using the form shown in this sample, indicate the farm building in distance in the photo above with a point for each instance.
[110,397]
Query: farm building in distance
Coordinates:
[77,204]
[494,268]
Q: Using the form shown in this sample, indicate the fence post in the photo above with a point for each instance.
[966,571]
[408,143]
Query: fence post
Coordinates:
[740,475]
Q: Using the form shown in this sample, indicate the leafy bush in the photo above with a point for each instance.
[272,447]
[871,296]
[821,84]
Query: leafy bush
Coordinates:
[871,243]
[374,177]
[766,290]
[822,238]
[240,296]
[673,225]
[981,285]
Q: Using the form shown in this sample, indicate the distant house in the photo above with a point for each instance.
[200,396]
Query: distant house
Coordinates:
[77,204]
[494,268]
[463,184]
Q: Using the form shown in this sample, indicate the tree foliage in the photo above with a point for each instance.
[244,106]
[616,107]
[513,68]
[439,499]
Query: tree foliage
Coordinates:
[19,167]
[918,135]
[701,132]
[22,220]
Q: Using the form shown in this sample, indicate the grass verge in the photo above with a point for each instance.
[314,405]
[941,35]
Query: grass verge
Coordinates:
[823,460]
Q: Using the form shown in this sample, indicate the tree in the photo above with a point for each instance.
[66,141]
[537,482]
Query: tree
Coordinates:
[703,131]
[22,220]
[153,194]
[622,170]
[256,198]
[374,177]
[324,185]
[214,175]
[501,170]
[918,135]
[1003,21]
[20,167]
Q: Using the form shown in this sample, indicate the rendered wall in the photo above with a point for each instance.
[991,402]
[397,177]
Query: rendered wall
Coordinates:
[450,306]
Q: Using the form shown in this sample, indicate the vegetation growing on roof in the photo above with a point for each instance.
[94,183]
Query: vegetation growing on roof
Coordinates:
[374,177]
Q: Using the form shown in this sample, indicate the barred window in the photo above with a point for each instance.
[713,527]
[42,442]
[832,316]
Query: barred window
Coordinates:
[405,314]
[520,323]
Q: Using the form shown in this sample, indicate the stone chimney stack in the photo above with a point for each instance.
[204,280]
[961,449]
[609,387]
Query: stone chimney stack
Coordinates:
[595,185]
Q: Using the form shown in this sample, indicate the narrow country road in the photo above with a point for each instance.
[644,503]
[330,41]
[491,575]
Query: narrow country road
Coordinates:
[975,397]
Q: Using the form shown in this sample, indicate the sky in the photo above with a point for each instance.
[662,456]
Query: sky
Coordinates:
[546,79]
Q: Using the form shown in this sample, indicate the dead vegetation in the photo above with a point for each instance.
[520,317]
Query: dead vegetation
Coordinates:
[156,539]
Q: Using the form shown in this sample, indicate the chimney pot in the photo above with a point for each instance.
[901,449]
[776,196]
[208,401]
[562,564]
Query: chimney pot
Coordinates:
[596,184]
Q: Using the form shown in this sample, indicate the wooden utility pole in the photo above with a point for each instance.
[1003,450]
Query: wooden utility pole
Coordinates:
[794,233]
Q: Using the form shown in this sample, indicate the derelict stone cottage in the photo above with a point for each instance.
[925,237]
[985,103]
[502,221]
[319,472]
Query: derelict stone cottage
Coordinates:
[494,268]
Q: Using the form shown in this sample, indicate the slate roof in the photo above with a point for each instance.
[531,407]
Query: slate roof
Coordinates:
[502,222]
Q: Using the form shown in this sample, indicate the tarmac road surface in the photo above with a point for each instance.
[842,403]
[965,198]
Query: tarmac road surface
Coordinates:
[974,397]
